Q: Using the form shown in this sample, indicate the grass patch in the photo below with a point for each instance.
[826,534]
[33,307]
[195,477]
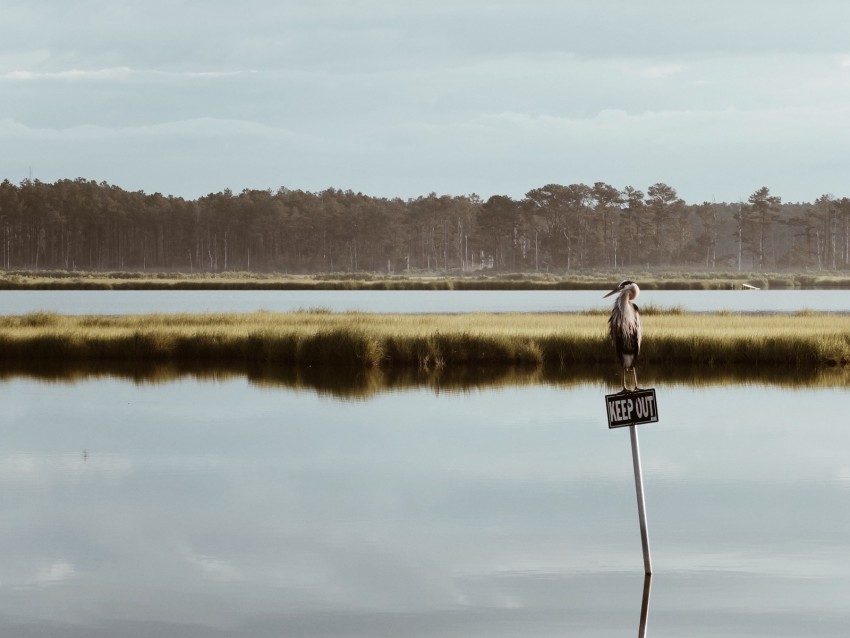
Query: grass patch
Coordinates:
[360,341]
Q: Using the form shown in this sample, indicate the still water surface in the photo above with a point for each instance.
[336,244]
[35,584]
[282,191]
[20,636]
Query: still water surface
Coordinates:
[198,508]
[17,302]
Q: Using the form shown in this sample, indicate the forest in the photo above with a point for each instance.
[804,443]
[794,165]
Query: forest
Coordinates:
[94,226]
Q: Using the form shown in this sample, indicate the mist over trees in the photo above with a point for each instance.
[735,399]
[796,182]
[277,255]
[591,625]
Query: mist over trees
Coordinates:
[85,225]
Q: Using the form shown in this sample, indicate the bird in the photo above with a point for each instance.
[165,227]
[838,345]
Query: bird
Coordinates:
[624,327]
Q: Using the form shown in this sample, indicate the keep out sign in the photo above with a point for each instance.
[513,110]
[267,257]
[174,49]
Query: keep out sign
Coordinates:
[631,408]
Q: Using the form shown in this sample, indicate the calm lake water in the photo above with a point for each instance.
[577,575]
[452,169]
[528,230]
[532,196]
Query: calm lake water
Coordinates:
[133,302]
[200,508]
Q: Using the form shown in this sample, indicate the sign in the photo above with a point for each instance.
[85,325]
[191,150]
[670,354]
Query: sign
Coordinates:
[631,408]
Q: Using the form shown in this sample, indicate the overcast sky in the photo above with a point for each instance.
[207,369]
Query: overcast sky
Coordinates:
[405,97]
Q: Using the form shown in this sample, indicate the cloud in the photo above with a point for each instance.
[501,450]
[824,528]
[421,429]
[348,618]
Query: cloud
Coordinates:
[55,573]
[116,74]
[329,34]
[190,158]
[207,128]
[724,153]
[660,71]
[70,74]
[405,98]
[214,568]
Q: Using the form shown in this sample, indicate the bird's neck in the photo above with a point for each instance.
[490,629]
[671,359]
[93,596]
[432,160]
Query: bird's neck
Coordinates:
[625,309]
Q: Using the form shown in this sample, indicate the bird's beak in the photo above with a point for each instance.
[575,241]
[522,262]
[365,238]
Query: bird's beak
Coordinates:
[611,293]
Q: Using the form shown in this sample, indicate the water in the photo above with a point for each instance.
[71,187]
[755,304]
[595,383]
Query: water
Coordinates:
[201,508]
[153,301]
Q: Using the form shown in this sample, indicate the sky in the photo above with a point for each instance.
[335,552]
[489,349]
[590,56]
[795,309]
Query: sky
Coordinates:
[401,98]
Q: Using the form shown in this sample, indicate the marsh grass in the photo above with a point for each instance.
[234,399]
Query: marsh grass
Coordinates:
[360,341]
[589,280]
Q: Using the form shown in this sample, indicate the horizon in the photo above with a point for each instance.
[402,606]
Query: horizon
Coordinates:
[277,189]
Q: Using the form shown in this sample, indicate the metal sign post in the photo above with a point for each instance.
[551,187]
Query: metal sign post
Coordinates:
[630,408]
[644,533]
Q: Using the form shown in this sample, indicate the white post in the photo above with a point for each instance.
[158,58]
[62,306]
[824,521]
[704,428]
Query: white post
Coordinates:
[644,534]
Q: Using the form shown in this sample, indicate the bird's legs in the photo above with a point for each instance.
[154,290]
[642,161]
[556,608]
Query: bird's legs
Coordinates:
[634,376]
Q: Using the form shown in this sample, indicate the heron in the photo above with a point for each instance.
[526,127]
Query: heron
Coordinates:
[624,327]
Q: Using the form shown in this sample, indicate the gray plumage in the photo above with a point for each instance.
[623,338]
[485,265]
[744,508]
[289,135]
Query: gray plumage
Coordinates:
[624,326]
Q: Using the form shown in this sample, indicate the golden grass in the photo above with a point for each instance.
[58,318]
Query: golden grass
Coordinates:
[363,341]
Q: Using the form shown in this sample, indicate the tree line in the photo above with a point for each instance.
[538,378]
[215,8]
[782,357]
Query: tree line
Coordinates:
[87,225]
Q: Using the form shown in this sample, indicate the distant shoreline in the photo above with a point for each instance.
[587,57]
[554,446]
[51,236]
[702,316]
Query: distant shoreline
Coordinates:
[75,280]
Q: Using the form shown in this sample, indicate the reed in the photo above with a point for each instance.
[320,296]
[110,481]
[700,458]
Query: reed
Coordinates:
[360,341]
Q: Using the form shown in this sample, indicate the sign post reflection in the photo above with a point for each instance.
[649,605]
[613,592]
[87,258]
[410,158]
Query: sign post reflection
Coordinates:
[644,606]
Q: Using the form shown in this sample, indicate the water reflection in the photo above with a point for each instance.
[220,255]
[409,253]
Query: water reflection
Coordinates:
[225,508]
[362,384]
[644,606]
